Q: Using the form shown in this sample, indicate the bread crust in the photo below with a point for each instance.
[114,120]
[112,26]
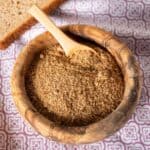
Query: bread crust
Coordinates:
[30,21]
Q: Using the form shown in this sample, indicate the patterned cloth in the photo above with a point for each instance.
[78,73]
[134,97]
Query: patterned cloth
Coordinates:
[129,20]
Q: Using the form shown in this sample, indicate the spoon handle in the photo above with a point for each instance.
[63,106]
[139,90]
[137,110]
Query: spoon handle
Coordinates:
[66,43]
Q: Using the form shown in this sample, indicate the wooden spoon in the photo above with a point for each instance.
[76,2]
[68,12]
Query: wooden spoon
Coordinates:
[69,46]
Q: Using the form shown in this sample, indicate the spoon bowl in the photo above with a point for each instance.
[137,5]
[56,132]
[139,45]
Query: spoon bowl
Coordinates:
[69,46]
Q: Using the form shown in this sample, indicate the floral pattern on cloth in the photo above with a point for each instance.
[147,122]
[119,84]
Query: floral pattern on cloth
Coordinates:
[129,20]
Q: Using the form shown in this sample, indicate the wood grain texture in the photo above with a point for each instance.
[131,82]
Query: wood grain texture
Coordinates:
[48,7]
[93,132]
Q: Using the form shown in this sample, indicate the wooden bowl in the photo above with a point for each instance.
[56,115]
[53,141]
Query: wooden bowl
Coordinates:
[95,131]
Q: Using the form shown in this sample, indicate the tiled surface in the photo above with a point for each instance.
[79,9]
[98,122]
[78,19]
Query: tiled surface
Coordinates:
[127,19]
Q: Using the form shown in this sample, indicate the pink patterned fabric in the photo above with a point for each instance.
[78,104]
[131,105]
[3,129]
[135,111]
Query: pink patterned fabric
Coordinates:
[129,20]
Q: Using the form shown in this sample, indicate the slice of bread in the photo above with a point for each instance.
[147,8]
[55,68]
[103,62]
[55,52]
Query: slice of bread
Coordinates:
[14,19]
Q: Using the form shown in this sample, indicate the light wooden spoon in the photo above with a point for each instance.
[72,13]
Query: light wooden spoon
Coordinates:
[69,46]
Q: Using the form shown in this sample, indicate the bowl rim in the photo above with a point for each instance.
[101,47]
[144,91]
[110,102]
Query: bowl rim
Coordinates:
[95,131]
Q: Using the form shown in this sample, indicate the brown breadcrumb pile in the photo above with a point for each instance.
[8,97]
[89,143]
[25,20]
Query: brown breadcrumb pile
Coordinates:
[74,91]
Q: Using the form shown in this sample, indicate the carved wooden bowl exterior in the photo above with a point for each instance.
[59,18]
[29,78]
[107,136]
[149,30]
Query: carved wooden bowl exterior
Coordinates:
[93,132]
